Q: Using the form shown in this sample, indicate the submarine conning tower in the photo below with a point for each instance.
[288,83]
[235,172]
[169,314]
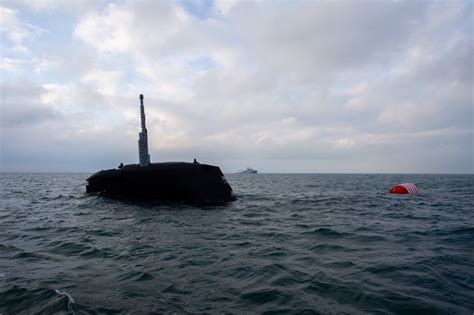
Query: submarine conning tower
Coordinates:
[143,155]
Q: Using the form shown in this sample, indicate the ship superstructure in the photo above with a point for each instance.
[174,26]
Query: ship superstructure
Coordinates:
[247,171]
[143,155]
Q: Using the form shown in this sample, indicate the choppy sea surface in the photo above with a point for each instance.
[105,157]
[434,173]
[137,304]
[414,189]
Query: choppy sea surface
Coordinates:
[291,243]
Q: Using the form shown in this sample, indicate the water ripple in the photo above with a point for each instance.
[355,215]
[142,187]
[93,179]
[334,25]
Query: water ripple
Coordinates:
[307,244]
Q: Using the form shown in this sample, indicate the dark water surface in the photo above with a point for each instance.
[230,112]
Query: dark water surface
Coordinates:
[289,244]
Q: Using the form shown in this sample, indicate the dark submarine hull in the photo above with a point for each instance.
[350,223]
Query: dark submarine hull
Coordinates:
[170,181]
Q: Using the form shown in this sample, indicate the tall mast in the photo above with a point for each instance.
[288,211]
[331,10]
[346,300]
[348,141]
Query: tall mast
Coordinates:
[143,155]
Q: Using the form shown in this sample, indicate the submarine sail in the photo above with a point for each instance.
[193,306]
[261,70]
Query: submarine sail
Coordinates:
[143,155]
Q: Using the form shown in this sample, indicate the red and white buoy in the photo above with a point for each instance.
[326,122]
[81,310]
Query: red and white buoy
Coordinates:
[405,188]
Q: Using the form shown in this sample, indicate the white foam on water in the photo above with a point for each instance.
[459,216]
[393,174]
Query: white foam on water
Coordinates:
[69,297]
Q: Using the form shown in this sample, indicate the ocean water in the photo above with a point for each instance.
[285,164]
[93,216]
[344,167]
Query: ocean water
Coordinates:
[291,243]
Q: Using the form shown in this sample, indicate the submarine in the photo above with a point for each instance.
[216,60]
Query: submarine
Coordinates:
[188,182]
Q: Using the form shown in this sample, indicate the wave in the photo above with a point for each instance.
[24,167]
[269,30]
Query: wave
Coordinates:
[38,301]
[20,300]
[326,232]
[266,296]
[31,257]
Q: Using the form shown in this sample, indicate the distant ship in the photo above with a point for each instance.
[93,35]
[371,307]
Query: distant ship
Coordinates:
[247,171]
[190,182]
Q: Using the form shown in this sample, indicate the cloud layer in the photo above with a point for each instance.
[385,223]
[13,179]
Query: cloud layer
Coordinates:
[281,86]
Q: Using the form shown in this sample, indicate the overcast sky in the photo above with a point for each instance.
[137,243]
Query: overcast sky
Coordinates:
[282,86]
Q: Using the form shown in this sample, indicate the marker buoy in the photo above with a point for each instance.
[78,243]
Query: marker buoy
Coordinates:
[406,188]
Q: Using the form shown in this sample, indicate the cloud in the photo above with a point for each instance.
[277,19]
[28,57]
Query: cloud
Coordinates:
[10,65]
[107,81]
[39,6]
[288,86]
[20,107]
[16,31]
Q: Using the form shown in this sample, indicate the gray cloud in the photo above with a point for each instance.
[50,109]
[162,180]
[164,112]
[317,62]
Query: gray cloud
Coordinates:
[21,107]
[289,86]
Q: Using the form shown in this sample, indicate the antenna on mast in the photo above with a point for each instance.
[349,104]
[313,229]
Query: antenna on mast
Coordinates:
[143,155]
